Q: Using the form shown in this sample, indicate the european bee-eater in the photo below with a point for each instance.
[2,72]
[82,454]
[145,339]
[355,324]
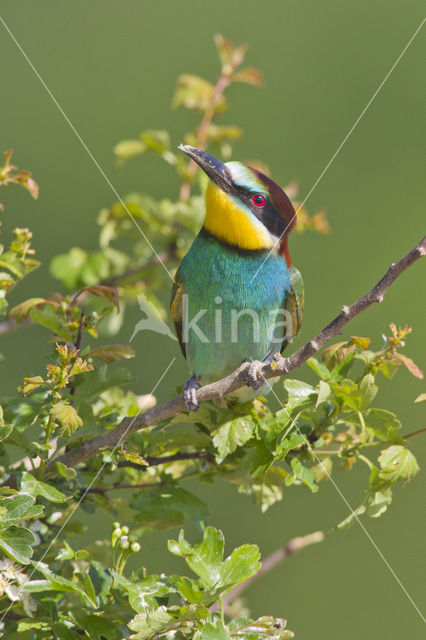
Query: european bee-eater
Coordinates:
[236,284]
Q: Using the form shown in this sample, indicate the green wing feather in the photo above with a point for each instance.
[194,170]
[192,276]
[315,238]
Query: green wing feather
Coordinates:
[176,309]
[294,304]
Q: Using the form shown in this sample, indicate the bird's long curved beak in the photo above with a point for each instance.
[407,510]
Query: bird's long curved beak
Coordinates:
[214,168]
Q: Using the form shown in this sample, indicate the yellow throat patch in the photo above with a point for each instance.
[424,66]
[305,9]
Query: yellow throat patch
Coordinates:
[226,221]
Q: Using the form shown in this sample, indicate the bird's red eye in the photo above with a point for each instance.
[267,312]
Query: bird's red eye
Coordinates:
[258,201]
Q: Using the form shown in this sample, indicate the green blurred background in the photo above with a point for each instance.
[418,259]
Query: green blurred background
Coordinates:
[112,67]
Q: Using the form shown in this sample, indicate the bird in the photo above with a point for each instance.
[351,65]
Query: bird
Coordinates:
[236,296]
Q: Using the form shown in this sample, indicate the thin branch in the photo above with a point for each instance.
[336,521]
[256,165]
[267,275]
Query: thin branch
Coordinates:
[270,562]
[415,433]
[280,366]
[221,85]
[176,457]
[115,487]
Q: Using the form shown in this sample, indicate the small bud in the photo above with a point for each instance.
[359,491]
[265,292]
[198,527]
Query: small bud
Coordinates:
[115,525]
[125,529]
[135,547]
[124,542]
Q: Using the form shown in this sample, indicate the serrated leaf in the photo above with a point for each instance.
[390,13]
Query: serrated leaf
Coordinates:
[240,565]
[30,384]
[374,505]
[16,543]
[231,435]
[204,558]
[151,623]
[35,488]
[216,631]
[112,353]
[66,417]
[103,291]
[397,463]
[15,508]
[21,311]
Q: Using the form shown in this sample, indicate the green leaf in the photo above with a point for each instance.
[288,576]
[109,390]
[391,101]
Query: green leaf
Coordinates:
[16,543]
[17,508]
[164,507]
[189,590]
[5,431]
[204,558]
[303,474]
[319,367]
[300,394]
[66,417]
[260,629]
[77,268]
[147,625]
[112,353]
[30,384]
[126,149]
[231,435]
[22,311]
[54,582]
[65,472]
[50,318]
[397,463]
[240,565]
[324,392]
[384,423]
[216,631]
[35,488]
[103,291]
[374,505]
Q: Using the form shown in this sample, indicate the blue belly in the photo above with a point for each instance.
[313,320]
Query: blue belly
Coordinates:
[229,319]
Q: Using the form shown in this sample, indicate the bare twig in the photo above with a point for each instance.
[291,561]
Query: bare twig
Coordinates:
[270,562]
[115,487]
[176,457]
[221,85]
[280,366]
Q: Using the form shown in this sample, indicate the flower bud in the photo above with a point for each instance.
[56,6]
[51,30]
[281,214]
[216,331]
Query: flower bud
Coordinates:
[124,542]
[135,547]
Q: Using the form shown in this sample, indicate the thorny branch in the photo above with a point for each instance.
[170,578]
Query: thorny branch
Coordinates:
[280,366]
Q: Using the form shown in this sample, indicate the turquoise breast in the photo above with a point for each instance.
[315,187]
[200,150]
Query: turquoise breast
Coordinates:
[228,318]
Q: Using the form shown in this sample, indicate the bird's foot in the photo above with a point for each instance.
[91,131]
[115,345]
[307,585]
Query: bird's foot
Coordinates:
[189,394]
[251,374]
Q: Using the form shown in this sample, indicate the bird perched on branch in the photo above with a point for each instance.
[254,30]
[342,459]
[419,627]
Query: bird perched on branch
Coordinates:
[236,297]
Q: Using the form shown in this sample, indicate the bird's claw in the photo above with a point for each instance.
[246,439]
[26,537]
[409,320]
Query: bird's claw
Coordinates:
[189,394]
[251,375]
